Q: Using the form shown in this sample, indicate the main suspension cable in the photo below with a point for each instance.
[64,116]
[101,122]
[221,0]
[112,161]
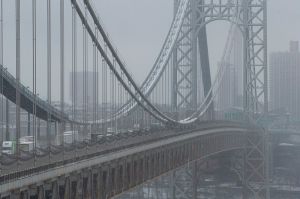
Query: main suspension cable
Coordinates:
[109,62]
[120,63]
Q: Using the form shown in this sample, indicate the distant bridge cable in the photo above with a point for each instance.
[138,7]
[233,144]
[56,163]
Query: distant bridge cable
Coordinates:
[205,104]
[218,80]
[158,74]
[109,63]
[121,65]
[161,62]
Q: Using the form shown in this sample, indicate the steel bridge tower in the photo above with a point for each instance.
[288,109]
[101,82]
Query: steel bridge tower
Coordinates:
[191,65]
[191,43]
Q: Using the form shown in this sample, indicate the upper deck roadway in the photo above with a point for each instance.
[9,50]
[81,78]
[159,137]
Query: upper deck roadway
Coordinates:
[8,89]
[126,162]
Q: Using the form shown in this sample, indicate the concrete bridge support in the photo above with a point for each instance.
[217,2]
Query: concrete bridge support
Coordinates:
[67,189]
[41,192]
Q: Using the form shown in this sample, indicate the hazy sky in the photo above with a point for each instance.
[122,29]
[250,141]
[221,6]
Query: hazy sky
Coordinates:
[138,28]
[139,38]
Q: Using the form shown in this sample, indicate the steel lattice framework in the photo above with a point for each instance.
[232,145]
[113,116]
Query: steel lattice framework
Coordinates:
[250,17]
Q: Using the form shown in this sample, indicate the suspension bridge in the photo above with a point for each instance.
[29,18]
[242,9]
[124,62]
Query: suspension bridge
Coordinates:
[124,134]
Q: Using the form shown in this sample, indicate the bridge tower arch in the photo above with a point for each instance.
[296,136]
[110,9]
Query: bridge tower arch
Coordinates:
[251,18]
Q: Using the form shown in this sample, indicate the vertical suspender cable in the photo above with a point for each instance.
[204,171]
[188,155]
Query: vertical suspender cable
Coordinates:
[86,72]
[111,97]
[120,101]
[7,118]
[97,84]
[1,71]
[49,74]
[103,97]
[94,85]
[117,102]
[74,75]
[18,75]
[165,89]
[83,77]
[34,75]
[85,86]
[62,68]
[104,92]
[72,78]
[163,95]
[170,88]
[114,100]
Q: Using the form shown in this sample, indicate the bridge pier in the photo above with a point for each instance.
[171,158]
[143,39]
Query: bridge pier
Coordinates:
[55,190]
[103,183]
[67,188]
[185,182]
[99,184]
[32,192]
[62,183]
[94,181]
[88,184]
[41,192]
[73,186]
[48,189]
[118,177]
[15,195]
[79,187]
[25,194]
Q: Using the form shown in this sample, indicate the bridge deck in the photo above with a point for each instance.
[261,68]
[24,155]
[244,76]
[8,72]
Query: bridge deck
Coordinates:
[182,148]
[27,98]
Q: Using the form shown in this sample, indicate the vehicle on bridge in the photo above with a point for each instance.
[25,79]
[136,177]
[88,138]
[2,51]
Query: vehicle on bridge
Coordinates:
[26,146]
[9,147]
[70,137]
[27,139]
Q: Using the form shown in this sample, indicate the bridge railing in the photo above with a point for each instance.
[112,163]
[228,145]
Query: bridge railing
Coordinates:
[13,167]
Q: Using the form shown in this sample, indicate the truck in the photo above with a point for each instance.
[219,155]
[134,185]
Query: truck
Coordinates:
[70,136]
[111,130]
[27,139]
[9,147]
[26,146]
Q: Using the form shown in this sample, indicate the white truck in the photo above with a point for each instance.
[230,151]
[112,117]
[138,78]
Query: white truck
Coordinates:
[27,139]
[9,147]
[26,146]
[70,137]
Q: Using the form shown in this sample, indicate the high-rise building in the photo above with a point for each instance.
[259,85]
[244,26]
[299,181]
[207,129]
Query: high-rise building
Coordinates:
[284,76]
[80,88]
[228,91]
